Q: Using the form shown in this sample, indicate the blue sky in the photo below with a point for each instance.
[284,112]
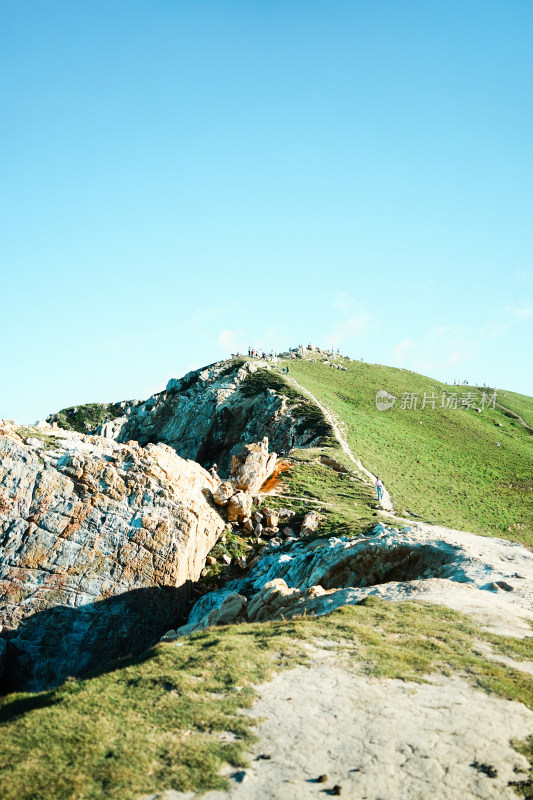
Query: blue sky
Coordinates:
[183,179]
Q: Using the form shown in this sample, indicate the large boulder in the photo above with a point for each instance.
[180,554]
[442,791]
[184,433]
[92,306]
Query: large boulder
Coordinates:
[240,507]
[99,543]
[224,493]
[251,465]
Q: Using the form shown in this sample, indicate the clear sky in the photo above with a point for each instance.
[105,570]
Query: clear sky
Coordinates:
[180,180]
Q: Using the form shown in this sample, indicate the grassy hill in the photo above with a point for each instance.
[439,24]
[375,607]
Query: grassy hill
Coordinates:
[155,722]
[443,464]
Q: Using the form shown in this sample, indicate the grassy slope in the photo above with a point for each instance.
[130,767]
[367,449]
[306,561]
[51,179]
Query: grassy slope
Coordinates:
[442,465]
[86,417]
[519,403]
[155,723]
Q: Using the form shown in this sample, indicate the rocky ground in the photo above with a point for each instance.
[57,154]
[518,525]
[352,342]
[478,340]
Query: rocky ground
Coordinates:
[490,579]
[324,731]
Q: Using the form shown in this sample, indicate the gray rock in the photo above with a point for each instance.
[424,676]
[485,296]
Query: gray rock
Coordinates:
[97,552]
[209,413]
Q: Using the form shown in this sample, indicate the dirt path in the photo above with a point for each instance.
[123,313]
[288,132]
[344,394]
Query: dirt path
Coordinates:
[386,502]
[516,416]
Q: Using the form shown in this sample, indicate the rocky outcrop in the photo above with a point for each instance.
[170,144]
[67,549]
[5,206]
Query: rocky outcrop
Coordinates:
[99,542]
[209,414]
[251,465]
[489,578]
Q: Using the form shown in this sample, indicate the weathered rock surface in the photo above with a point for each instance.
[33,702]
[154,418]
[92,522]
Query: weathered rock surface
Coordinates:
[98,543]
[491,579]
[224,493]
[209,412]
[310,523]
[377,739]
[240,507]
[251,465]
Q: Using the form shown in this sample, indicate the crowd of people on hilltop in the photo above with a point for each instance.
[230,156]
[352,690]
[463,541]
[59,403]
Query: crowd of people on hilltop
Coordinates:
[252,353]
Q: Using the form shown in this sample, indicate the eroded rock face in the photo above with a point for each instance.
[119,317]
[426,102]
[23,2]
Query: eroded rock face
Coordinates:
[207,413]
[251,465]
[98,544]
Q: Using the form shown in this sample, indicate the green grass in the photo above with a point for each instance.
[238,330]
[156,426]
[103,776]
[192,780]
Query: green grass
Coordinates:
[87,417]
[442,465]
[311,418]
[519,403]
[155,723]
[348,505]
[49,442]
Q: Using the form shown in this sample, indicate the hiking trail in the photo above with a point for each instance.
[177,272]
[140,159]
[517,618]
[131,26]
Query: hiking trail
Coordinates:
[386,502]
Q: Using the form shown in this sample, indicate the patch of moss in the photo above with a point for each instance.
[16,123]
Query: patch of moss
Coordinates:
[86,418]
[49,442]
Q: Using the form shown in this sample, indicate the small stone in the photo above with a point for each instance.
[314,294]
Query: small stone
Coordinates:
[210,561]
[322,779]
[505,586]
[226,559]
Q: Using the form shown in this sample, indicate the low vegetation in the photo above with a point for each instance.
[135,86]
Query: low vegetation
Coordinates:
[347,505]
[311,417]
[86,418]
[171,718]
[49,442]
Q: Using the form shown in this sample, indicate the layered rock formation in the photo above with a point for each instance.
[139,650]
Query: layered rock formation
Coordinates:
[210,413]
[489,578]
[98,544]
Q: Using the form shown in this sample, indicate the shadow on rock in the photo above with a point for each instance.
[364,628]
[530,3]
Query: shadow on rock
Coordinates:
[59,642]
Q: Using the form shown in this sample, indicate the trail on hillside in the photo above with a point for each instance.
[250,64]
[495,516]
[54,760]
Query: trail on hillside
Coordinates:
[386,502]
[514,415]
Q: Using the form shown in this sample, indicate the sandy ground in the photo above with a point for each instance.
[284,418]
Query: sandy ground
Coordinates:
[377,740]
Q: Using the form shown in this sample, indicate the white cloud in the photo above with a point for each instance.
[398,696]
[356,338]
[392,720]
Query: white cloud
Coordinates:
[342,302]
[446,346]
[348,330]
[232,341]
[401,351]
[441,348]
[506,318]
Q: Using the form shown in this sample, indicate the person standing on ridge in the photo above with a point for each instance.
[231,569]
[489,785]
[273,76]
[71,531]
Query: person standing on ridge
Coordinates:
[379,488]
